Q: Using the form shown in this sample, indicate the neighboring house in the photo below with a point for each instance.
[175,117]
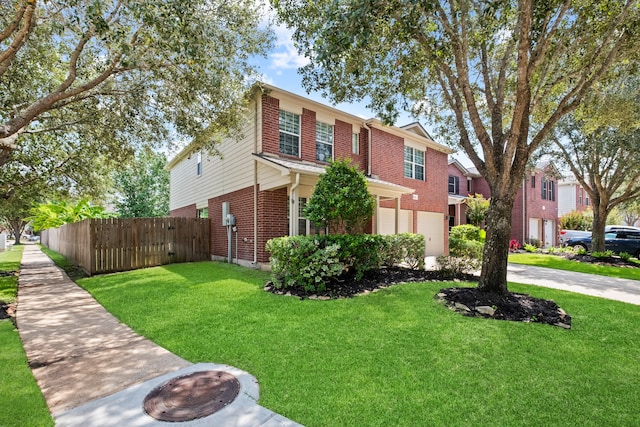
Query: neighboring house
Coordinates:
[572,197]
[460,186]
[535,210]
[266,176]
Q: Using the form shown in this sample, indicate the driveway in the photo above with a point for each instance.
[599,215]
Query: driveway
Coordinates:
[625,290]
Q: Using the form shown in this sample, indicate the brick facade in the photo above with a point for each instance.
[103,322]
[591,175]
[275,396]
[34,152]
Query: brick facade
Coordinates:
[273,219]
[241,206]
[270,124]
[189,211]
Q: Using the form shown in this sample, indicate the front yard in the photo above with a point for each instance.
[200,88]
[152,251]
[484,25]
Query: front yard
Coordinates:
[393,357]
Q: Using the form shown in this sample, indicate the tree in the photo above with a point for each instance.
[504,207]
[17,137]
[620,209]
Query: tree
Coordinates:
[58,213]
[14,214]
[603,151]
[130,72]
[630,211]
[501,74]
[143,187]
[341,200]
[477,207]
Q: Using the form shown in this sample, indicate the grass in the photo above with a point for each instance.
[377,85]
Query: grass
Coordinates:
[561,263]
[395,357]
[73,271]
[21,401]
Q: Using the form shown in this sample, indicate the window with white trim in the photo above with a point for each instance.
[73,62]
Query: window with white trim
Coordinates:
[413,163]
[203,213]
[306,227]
[199,164]
[289,124]
[454,184]
[324,142]
[355,143]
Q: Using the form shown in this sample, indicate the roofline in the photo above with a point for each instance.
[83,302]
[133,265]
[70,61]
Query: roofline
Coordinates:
[409,135]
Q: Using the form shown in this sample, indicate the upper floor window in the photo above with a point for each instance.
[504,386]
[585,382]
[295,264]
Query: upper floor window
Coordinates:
[289,133]
[580,196]
[355,143]
[454,184]
[199,164]
[413,163]
[533,181]
[548,189]
[468,185]
[324,142]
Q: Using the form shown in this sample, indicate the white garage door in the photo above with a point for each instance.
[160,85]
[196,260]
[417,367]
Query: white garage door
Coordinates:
[549,233]
[387,223]
[534,229]
[431,226]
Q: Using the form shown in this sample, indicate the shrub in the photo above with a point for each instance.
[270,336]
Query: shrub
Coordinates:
[514,245]
[601,255]
[625,256]
[405,248]
[530,248]
[575,220]
[454,266]
[311,261]
[466,241]
[579,250]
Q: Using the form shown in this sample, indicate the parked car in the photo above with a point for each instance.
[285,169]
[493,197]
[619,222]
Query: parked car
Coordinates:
[617,241]
[566,235]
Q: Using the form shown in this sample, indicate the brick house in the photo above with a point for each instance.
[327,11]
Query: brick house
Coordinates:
[265,177]
[535,210]
[460,185]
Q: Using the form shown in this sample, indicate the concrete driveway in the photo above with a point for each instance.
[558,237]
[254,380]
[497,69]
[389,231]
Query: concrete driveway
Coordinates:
[625,290]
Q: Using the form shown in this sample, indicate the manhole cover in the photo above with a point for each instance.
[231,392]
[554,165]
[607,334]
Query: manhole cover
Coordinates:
[192,396]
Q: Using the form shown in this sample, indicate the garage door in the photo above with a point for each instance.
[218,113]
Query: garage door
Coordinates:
[387,224]
[431,226]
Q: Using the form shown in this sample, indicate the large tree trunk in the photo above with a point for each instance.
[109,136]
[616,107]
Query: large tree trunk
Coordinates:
[493,277]
[600,215]
[17,227]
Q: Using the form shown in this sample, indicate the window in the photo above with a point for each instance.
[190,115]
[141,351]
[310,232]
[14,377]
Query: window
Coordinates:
[586,199]
[305,227]
[199,164]
[468,185]
[324,142]
[454,185]
[580,196]
[355,143]
[289,133]
[548,189]
[413,163]
[203,213]
[533,181]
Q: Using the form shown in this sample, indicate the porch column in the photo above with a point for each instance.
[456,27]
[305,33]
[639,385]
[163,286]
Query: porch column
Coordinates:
[397,215]
[294,207]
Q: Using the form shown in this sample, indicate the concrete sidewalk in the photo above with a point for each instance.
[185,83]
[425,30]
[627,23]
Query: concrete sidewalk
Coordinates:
[90,367]
[624,290]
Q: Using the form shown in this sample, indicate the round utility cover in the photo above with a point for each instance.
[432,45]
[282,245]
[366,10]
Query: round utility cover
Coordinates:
[192,396]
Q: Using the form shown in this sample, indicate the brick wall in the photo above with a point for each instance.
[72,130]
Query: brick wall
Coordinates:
[189,211]
[270,124]
[342,142]
[308,131]
[241,206]
[272,218]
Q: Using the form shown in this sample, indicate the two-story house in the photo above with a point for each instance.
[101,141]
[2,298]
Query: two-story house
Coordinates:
[266,176]
[535,210]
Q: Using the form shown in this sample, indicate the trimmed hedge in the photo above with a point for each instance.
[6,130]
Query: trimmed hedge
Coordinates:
[311,261]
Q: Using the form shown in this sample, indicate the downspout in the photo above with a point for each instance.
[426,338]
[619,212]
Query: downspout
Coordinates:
[293,215]
[366,126]
[255,185]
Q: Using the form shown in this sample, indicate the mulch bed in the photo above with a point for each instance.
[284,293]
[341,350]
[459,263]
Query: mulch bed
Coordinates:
[467,301]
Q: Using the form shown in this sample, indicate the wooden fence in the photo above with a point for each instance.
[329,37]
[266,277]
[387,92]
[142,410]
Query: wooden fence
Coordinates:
[116,244]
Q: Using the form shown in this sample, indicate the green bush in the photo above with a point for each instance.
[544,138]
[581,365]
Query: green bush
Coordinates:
[466,241]
[405,248]
[625,256]
[454,265]
[530,248]
[575,220]
[600,255]
[310,261]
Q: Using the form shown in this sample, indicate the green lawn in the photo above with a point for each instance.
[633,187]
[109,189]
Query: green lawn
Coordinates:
[21,401]
[561,263]
[391,358]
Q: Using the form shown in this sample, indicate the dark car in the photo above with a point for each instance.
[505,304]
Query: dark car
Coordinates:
[617,241]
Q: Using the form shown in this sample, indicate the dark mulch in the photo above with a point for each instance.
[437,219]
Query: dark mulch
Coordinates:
[7,311]
[613,261]
[512,306]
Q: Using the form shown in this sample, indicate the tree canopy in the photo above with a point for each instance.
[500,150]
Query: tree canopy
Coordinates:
[495,77]
[142,188]
[121,73]
[600,144]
